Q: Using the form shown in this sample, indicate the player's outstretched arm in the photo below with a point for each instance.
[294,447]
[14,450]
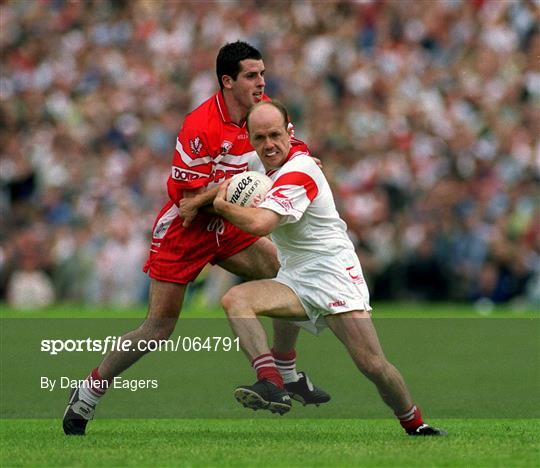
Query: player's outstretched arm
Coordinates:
[257,221]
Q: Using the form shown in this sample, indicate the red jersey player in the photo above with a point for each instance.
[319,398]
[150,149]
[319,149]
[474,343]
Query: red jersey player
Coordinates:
[212,146]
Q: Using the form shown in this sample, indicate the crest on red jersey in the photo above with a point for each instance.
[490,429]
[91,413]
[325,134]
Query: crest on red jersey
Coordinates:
[225,147]
[196,145]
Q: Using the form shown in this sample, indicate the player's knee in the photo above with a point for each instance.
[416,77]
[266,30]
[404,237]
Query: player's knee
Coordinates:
[235,302]
[272,268]
[268,264]
[231,301]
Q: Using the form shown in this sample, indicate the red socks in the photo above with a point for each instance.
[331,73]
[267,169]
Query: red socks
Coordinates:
[286,364]
[288,358]
[97,383]
[265,367]
[93,388]
[411,420]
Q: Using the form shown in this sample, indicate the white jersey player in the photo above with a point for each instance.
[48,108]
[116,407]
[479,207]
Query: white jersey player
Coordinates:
[320,278]
[318,260]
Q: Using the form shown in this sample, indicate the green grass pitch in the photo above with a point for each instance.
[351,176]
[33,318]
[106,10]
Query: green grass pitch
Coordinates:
[478,379]
[269,442]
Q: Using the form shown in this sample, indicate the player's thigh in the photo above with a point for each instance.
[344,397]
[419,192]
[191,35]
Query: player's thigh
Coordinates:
[264,297]
[356,331]
[258,261]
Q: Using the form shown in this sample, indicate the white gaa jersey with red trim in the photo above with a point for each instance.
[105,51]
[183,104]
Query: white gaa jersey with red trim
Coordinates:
[311,225]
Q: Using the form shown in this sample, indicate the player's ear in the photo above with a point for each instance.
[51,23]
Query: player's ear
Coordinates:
[227,81]
[290,129]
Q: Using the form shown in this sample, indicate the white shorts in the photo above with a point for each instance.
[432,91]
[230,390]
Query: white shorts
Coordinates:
[327,285]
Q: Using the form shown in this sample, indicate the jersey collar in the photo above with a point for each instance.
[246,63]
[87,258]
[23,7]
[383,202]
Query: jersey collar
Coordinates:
[222,108]
[224,111]
[294,151]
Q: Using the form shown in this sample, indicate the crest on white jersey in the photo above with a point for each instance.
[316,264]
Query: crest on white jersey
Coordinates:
[196,145]
[281,198]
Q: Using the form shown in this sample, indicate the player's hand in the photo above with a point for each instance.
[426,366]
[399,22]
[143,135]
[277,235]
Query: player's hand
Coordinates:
[317,161]
[220,201]
[187,208]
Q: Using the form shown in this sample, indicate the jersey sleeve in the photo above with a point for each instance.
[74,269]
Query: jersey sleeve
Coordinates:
[291,194]
[192,164]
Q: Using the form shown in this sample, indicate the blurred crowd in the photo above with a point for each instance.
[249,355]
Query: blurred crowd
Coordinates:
[425,114]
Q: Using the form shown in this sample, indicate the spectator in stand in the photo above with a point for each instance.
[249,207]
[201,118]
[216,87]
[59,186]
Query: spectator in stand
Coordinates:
[431,111]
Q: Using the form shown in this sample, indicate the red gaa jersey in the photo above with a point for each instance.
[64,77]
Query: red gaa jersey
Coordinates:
[209,149]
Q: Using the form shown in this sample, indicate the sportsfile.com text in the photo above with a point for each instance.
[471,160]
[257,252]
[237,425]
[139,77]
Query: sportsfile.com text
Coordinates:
[114,343]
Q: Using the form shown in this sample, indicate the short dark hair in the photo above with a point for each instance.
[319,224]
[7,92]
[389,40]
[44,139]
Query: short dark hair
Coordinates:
[274,103]
[230,56]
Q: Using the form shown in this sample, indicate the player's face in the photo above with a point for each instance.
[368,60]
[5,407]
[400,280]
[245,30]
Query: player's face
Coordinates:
[248,88]
[269,137]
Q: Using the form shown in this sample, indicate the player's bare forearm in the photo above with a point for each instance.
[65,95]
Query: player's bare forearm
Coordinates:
[206,198]
[201,197]
[257,221]
[195,200]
